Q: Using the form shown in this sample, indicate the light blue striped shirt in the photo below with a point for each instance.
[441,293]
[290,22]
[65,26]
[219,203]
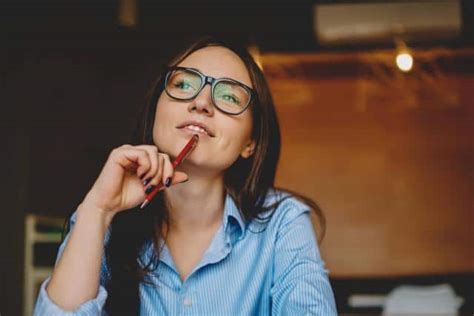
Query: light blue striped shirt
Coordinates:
[247,270]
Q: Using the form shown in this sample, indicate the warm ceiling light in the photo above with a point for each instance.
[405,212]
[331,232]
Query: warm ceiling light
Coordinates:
[404,61]
[128,13]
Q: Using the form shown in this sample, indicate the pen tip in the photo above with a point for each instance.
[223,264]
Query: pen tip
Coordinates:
[145,203]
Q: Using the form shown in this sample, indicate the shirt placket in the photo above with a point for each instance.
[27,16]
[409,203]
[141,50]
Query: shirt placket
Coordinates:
[187,301]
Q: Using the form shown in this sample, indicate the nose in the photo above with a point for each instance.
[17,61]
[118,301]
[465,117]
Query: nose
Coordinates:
[202,103]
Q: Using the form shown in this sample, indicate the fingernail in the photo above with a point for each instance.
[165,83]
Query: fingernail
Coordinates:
[149,189]
[168,182]
[146,181]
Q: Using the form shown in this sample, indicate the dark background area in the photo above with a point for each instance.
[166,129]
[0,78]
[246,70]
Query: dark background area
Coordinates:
[72,80]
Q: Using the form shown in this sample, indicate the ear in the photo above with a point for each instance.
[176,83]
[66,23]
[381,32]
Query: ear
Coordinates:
[248,150]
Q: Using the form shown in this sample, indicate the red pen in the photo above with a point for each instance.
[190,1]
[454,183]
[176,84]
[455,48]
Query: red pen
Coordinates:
[181,156]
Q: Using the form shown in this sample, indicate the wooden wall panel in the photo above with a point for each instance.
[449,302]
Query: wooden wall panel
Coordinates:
[395,182]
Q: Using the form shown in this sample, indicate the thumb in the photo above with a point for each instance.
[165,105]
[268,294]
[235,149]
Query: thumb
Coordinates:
[179,177]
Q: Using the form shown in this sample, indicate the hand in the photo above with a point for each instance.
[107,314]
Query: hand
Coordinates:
[120,185]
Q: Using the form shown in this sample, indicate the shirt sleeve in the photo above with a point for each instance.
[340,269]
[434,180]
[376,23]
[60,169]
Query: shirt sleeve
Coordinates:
[45,306]
[300,280]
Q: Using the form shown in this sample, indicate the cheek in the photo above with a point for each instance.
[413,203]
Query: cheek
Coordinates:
[234,137]
[163,114]
[156,125]
[162,109]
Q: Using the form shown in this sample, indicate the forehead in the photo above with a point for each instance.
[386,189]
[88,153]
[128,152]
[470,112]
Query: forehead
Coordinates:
[217,61]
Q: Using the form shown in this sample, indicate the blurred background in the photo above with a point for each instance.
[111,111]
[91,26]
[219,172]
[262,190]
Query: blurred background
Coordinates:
[375,100]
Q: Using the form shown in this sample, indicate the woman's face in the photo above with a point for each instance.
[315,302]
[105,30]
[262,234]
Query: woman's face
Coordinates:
[231,134]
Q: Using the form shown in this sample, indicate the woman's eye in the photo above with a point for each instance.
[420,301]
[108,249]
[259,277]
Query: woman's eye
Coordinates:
[231,98]
[182,85]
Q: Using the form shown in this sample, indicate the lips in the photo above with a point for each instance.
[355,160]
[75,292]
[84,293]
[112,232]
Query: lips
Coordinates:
[195,125]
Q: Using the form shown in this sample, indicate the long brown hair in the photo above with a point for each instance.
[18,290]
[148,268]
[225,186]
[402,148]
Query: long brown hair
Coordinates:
[247,181]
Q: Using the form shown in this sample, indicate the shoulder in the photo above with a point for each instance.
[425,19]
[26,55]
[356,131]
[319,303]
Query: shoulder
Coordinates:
[288,225]
[284,208]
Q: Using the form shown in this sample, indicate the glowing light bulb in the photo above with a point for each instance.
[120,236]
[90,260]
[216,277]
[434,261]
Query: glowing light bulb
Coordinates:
[404,61]
[255,52]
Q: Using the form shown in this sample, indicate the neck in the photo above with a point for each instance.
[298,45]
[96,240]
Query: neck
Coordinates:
[197,204]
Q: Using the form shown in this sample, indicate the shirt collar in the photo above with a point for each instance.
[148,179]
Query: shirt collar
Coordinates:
[233,217]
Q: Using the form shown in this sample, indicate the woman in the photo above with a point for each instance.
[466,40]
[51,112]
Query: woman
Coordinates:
[219,239]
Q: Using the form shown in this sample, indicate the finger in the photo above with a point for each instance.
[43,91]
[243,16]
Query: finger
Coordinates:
[178,177]
[153,155]
[131,158]
[155,178]
[167,171]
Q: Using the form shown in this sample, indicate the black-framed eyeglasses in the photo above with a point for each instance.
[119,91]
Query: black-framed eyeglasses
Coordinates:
[228,95]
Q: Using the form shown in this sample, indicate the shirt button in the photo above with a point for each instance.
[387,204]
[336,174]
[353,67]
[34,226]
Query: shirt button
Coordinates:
[187,301]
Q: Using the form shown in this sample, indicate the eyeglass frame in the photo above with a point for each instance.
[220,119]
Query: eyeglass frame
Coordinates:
[208,80]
